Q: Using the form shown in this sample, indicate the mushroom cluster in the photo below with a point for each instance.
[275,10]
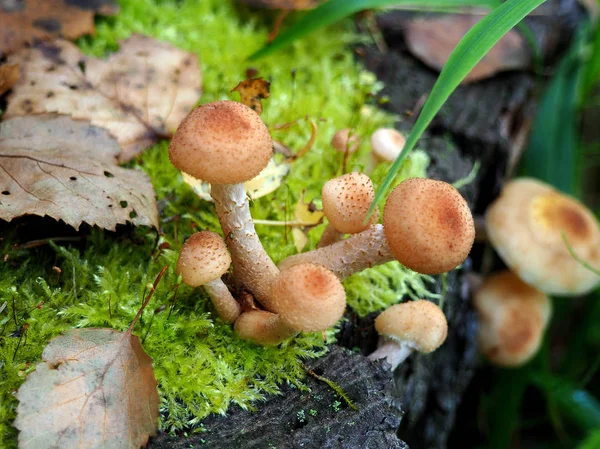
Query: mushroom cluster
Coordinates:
[427,226]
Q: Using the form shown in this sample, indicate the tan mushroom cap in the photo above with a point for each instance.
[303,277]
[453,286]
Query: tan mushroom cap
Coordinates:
[203,258]
[387,143]
[428,225]
[345,140]
[308,297]
[420,325]
[525,225]
[224,142]
[262,327]
[512,319]
[346,201]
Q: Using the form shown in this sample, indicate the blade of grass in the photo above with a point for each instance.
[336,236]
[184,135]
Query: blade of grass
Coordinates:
[469,51]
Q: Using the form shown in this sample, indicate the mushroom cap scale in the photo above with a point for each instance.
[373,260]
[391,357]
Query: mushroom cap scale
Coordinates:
[203,258]
[526,224]
[224,142]
[512,319]
[428,225]
[346,201]
[308,297]
[420,325]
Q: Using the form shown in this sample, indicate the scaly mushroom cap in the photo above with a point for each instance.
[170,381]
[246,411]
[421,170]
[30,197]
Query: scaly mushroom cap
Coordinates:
[344,141]
[525,225]
[512,319]
[346,201]
[420,325]
[428,225]
[203,258]
[224,142]
[387,143]
[262,327]
[308,297]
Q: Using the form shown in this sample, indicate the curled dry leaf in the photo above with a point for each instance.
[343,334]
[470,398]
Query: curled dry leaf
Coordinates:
[9,75]
[433,39]
[288,5]
[252,92]
[94,388]
[22,22]
[140,94]
[308,215]
[55,166]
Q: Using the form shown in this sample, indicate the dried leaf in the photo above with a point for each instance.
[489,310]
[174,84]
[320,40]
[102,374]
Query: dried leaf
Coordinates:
[9,75]
[55,166]
[288,5]
[25,21]
[252,92]
[266,182]
[433,39]
[139,94]
[307,213]
[94,388]
[300,238]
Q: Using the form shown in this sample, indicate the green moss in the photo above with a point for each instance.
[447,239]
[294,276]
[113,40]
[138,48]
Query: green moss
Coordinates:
[201,366]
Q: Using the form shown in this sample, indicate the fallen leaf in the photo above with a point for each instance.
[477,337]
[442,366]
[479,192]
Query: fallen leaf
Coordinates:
[300,238]
[289,5]
[25,21]
[9,75]
[52,165]
[307,215]
[139,94]
[433,39]
[94,388]
[252,92]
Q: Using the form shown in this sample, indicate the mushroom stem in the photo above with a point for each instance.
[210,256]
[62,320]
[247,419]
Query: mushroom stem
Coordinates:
[392,351]
[330,236]
[344,258]
[253,268]
[225,304]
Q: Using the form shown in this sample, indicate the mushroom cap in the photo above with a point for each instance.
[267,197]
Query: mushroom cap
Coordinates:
[224,142]
[420,325]
[344,141]
[346,201]
[262,327]
[525,225]
[428,225]
[308,297]
[512,319]
[203,258]
[387,143]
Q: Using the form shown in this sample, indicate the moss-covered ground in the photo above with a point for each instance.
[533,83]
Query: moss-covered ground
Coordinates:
[201,366]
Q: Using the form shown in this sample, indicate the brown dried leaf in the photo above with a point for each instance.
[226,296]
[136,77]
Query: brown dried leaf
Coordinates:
[55,166]
[94,388]
[432,39]
[252,92]
[288,5]
[9,75]
[139,94]
[25,21]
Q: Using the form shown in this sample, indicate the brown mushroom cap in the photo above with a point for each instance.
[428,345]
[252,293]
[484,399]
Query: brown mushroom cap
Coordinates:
[203,258]
[344,140]
[262,327]
[224,142]
[346,201]
[428,225]
[512,319]
[420,325]
[308,297]
[525,225]
[387,143]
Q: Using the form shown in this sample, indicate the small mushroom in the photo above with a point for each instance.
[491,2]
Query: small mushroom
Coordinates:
[202,261]
[526,224]
[512,319]
[346,201]
[345,141]
[226,143]
[263,328]
[411,326]
[386,144]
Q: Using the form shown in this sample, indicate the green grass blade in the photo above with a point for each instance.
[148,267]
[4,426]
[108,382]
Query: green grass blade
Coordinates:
[335,10]
[592,441]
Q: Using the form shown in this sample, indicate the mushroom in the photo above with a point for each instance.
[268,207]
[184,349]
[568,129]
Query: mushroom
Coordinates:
[306,298]
[226,143]
[512,319]
[346,201]
[526,224]
[386,144]
[202,261]
[427,226]
[415,325]
[345,141]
